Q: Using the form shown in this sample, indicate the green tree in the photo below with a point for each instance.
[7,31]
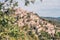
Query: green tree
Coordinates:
[8,29]
[30,1]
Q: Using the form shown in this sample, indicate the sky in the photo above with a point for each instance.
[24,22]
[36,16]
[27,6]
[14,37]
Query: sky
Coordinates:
[47,8]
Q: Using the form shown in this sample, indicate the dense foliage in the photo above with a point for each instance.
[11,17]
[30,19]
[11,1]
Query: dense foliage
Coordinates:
[9,29]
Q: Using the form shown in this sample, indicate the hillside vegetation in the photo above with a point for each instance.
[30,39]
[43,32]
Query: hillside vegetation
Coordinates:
[19,24]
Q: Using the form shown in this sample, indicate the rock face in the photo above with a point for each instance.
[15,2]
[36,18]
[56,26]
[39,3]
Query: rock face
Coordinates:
[34,21]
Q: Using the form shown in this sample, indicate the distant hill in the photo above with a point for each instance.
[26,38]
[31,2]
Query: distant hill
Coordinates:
[54,20]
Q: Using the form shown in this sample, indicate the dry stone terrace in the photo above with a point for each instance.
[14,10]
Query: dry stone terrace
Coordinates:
[33,21]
